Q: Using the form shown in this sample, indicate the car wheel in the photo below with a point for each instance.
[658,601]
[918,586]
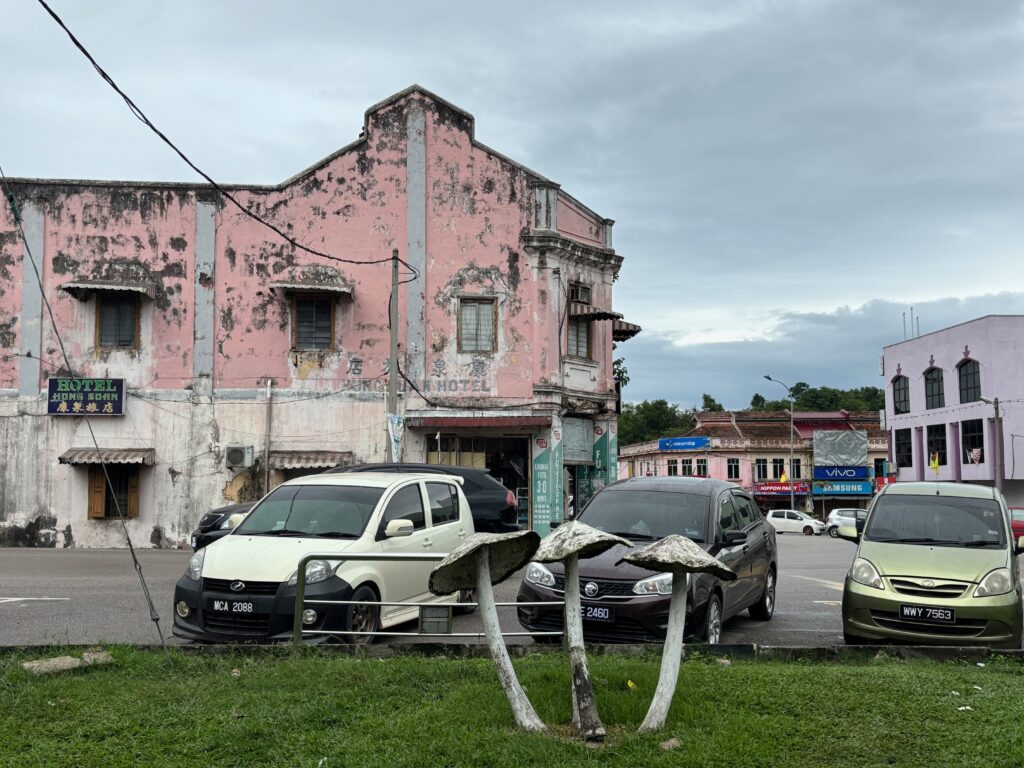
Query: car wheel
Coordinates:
[764,608]
[364,616]
[808,531]
[833,531]
[466,596]
[712,631]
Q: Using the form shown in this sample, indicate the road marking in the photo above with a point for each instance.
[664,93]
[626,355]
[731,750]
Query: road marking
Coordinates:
[27,599]
[830,584]
[828,602]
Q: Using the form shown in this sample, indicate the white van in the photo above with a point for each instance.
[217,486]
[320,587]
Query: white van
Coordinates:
[242,587]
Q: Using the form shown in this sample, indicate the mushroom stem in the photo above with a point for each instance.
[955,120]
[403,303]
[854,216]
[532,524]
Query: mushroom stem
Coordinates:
[523,711]
[670,656]
[584,705]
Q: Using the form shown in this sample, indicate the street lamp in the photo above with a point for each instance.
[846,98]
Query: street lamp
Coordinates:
[997,442]
[792,502]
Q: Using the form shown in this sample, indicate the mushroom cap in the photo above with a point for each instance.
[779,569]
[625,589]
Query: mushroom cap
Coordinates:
[576,538]
[508,552]
[678,554]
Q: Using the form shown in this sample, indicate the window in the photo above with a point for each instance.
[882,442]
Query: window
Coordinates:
[933,393]
[117,319]
[406,504]
[970,382]
[902,448]
[702,467]
[477,325]
[761,469]
[778,467]
[972,442]
[673,467]
[579,292]
[123,491]
[444,503]
[879,467]
[733,469]
[744,511]
[792,516]
[794,469]
[687,466]
[579,337]
[727,517]
[936,439]
[901,395]
[314,322]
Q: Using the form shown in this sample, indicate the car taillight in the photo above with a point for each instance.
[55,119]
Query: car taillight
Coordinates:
[510,499]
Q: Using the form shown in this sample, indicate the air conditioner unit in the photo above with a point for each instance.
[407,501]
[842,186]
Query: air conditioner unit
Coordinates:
[238,456]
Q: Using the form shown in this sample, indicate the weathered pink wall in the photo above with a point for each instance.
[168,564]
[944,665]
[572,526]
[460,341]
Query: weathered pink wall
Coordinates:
[10,295]
[578,224]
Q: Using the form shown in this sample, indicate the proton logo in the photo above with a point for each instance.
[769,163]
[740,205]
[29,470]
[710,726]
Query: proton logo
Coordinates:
[237,586]
[928,583]
[590,589]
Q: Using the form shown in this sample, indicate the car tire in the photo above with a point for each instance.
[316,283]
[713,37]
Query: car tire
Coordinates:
[365,618]
[833,531]
[711,632]
[808,531]
[764,608]
[466,596]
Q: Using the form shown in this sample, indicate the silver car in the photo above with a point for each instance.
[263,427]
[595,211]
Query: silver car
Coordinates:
[838,517]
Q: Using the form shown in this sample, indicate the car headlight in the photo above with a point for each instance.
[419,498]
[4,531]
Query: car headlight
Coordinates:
[539,574]
[195,565]
[863,572]
[654,585]
[316,571]
[997,582]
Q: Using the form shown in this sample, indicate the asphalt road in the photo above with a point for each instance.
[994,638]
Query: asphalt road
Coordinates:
[78,596]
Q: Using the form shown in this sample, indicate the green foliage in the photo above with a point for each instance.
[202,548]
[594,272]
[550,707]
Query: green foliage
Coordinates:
[619,371]
[757,402]
[806,398]
[650,420]
[711,405]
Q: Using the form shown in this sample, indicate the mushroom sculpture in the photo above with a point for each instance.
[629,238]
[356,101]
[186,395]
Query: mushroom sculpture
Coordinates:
[679,556]
[567,544]
[482,560]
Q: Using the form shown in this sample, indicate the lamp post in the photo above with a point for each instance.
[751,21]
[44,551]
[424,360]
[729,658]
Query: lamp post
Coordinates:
[997,443]
[789,392]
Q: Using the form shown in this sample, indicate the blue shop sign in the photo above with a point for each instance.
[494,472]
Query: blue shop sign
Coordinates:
[85,397]
[683,443]
[844,488]
[840,473]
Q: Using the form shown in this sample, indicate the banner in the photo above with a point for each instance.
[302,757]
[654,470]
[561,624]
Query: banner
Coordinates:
[396,426]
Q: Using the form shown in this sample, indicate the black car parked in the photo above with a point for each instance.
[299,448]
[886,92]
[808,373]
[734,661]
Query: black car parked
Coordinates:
[214,524]
[493,505]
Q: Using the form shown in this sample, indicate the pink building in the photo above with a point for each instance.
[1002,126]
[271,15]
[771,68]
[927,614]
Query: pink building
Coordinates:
[246,361]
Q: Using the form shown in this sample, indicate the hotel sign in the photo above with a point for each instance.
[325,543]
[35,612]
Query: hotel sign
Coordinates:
[85,397]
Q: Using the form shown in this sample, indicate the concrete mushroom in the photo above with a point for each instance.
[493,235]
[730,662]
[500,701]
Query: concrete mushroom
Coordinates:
[567,544]
[482,560]
[679,556]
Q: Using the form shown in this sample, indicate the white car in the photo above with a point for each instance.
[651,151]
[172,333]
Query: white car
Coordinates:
[242,587]
[838,517]
[792,521]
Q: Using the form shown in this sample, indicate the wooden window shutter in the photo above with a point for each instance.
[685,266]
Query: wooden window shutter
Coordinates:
[133,493]
[97,492]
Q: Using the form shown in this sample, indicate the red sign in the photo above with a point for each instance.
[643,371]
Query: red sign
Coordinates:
[880,481]
[781,489]
[598,431]
[542,443]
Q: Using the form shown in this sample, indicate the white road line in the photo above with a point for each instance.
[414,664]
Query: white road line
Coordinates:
[830,584]
[28,599]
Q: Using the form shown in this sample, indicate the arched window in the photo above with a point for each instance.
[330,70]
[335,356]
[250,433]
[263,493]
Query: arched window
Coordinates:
[970,381]
[901,395]
[934,396]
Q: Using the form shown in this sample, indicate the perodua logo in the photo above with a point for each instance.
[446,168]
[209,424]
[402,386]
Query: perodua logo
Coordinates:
[237,586]
[590,589]
[928,583]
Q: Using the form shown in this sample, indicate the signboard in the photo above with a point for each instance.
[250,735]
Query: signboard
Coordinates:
[781,489]
[883,481]
[683,443]
[85,397]
[840,473]
[844,488]
[840,448]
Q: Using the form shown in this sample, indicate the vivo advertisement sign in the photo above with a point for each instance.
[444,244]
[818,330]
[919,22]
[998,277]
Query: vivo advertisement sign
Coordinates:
[844,488]
[683,443]
[840,473]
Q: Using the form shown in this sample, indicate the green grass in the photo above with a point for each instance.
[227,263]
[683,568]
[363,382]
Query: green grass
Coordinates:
[411,711]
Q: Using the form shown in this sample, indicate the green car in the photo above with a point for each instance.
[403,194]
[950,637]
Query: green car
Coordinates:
[936,565]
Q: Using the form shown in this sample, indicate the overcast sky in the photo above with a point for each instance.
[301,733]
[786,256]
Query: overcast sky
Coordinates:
[787,177]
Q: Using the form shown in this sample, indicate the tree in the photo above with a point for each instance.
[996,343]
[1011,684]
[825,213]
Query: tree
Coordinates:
[619,372]
[710,404]
[651,419]
[757,402]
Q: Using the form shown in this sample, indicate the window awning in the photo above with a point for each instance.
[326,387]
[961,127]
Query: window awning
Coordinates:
[588,312]
[622,330]
[145,456]
[310,459]
[293,286]
[314,278]
[430,422]
[84,289]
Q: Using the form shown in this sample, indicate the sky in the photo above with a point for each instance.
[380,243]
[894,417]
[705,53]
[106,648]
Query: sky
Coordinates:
[787,177]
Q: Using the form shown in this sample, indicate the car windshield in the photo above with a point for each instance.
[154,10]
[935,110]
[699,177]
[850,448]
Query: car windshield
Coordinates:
[648,514]
[936,520]
[329,511]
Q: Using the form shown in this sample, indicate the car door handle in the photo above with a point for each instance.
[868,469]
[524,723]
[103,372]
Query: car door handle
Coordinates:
[427,543]
[746,548]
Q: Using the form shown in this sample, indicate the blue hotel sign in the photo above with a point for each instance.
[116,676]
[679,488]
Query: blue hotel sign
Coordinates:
[840,473]
[844,488]
[683,443]
[85,397]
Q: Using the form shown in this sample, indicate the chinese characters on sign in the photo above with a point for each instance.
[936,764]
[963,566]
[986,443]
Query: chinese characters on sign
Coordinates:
[85,397]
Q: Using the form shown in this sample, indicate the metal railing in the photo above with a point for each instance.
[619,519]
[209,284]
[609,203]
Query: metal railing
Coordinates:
[298,632]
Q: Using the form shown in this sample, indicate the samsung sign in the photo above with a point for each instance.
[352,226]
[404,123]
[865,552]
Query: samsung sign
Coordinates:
[844,488]
[683,443]
[840,473]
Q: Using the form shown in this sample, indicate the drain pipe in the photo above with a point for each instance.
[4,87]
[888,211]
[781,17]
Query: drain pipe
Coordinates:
[266,447]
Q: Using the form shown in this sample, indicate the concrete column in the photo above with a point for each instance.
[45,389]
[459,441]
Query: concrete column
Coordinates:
[416,226]
[203,317]
[922,458]
[954,455]
[30,340]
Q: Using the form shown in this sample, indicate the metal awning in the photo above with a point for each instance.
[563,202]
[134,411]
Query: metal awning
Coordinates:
[588,312]
[84,289]
[430,422]
[295,286]
[310,459]
[621,330]
[144,456]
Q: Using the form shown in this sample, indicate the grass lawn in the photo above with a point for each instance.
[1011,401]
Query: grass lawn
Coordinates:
[411,711]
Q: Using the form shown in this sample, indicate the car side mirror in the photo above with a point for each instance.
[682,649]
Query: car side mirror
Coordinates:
[851,532]
[397,528]
[1019,549]
[734,538]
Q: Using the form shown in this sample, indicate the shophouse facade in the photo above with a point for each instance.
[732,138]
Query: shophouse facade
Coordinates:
[221,360]
[753,450]
[939,422]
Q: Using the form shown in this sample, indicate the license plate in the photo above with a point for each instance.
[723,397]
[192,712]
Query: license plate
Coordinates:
[598,613]
[232,606]
[927,613]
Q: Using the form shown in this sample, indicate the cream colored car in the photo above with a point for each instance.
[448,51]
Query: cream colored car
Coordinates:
[242,587]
